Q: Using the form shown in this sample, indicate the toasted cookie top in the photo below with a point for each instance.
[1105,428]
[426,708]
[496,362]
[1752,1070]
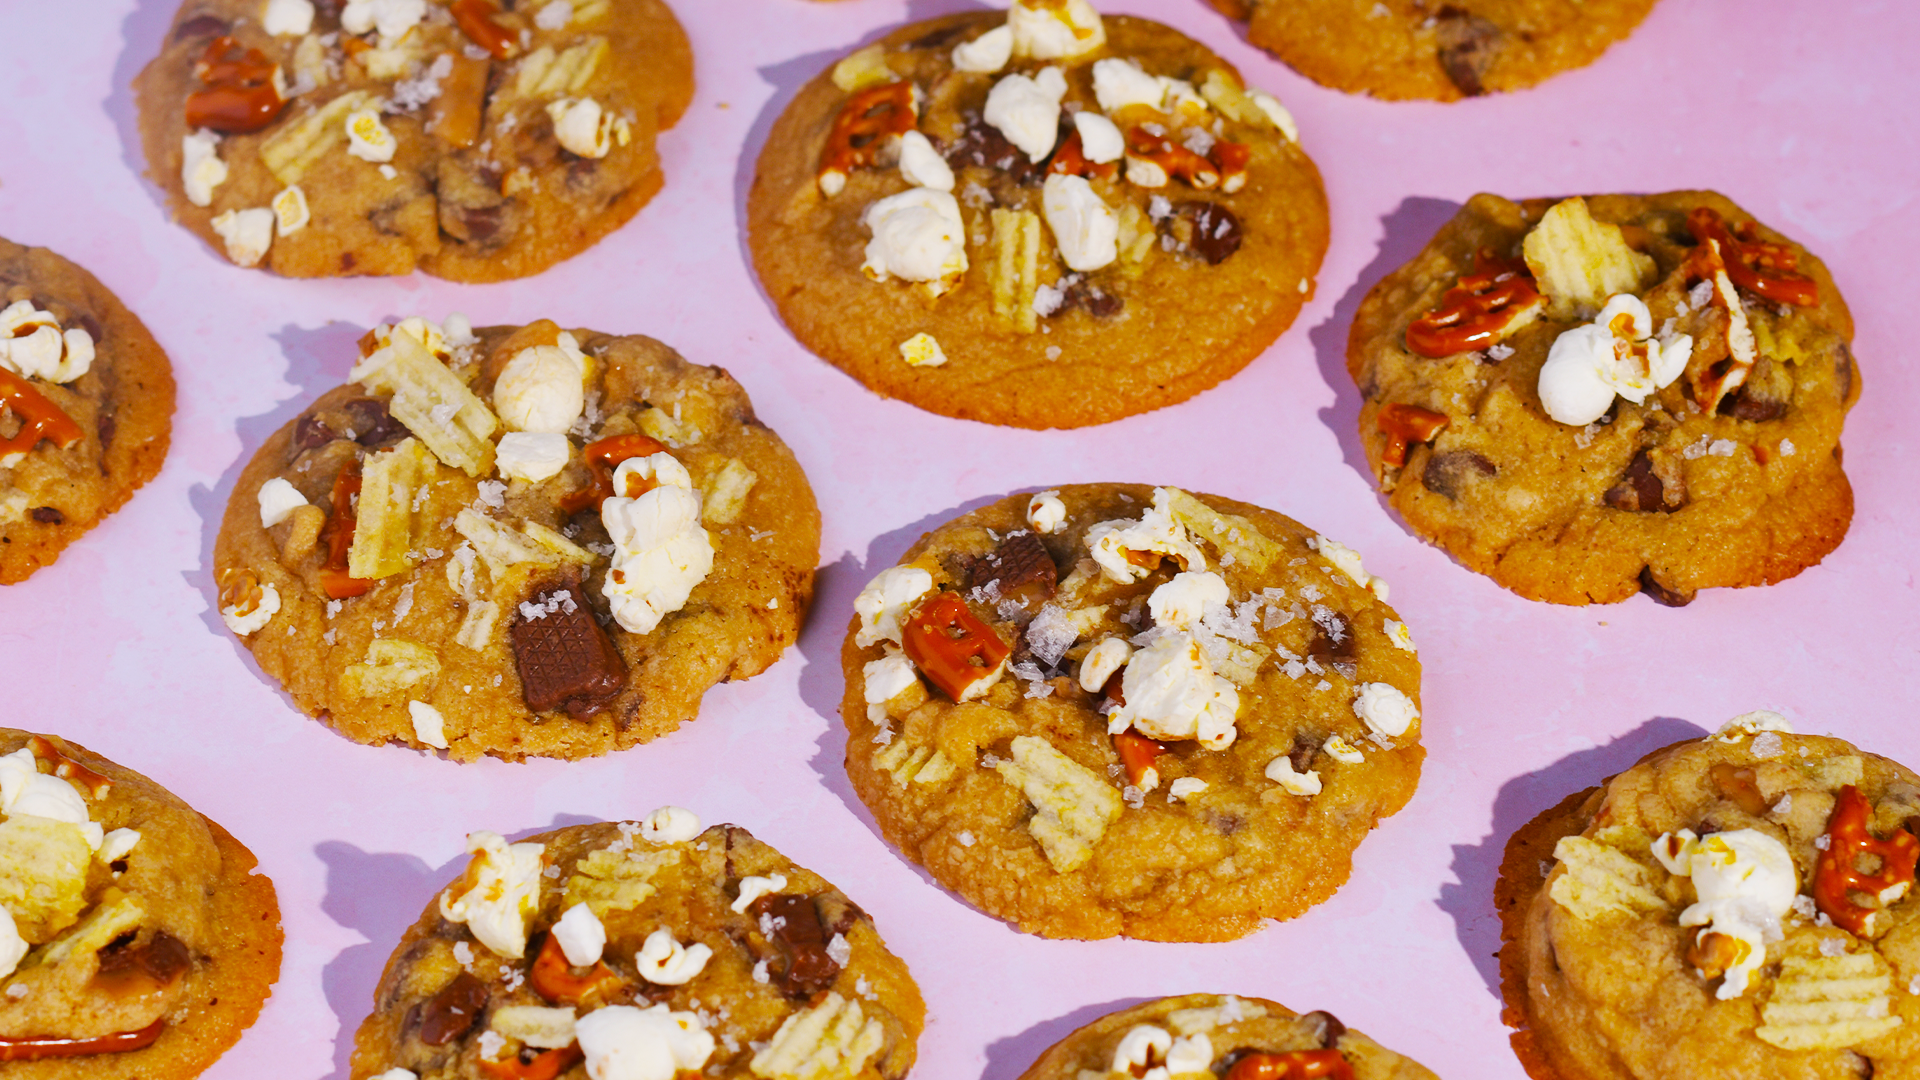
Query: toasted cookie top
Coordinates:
[1743,901]
[125,919]
[322,137]
[1588,398]
[640,949]
[1112,709]
[1233,1038]
[517,541]
[1041,218]
[88,396]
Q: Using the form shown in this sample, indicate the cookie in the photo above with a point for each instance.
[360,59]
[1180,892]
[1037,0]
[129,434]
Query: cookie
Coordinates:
[1038,218]
[1740,905]
[1400,49]
[87,397]
[1120,710]
[649,949]
[1588,398]
[136,942]
[1233,1038]
[320,138]
[517,541]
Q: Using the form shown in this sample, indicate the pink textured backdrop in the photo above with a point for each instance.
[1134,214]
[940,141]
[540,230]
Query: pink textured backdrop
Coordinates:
[1801,112]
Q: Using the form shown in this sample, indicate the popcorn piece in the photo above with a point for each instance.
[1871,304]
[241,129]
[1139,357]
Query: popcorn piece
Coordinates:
[1280,771]
[1102,661]
[921,165]
[888,677]
[502,889]
[1181,602]
[1599,879]
[886,600]
[290,213]
[542,388]
[1747,725]
[1398,633]
[921,350]
[987,53]
[1155,533]
[1073,805]
[247,234]
[1745,880]
[201,169]
[1184,788]
[392,18]
[1119,83]
[582,127]
[368,138]
[832,1038]
[581,936]
[1341,750]
[1615,354]
[726,493]
[555,15]
[392,665]
[1190,1056]
[432,402]
[1014,273]
[540,1028]
[44,889]
[388,526]
[118,844]
[295,147]
[1828,1002]
[665,962]
[428,725]
[32,344]
[754,887]
[1044,30]
[1027,110]
[1100,139]
[1085,228]
[1578,261]
[532,455]
[1172,693]
[503,547]
[1139,1047]
[625,1043]
[662,551]
[1045,512]
[917,235]
[1347,561]
[287,18]
[1385,709]
[859,70]
[252,612]
[670,825]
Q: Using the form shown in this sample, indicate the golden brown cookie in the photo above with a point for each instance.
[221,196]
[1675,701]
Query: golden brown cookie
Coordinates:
[644,949]
[1740,905]
[136,942]
[1398,49]
[1233,1038]
[1588,398]
[973,217]
[332,137]
[86,406]
[517,541]
[1077,735]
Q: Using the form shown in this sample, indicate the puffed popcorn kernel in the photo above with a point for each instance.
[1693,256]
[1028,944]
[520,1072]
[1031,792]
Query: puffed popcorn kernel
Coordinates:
[428,725]
[1347,561]
[543,388]
[1280,770]
[987,53]
[287,18]
[13,948]
[368,138]
[1100,138]
[1055,31]
[1172,693]
[261,613]
[662,551]
[1745,881]
[1027,110]
[1398,633]
[32,344]
[1749,724]
[922,350]
[887,677]
[1156,531]
[917,235]
[1182,601]
[532,455]
[290,211]
[1046,513]
[670,825]
[754,887]
[584,128]
[1085,228]
[504,890]
[247,234]
[886,601]
[278,498]
[625,1043]
[921,165]
[201,169]
[1588,365]
[1339,749]
[1184,788]
[1139,1047]
[392,18]
[663,961]
[581,936]
[1385,709]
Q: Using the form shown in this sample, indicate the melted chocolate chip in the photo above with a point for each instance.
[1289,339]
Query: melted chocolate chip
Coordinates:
[1743,404]
[373,425]
[837,912]
[47,515]
[453,1011]
[162,959]
[1332,638]
[201,26]
[802,942]
[1449,473]
[1660,593]
[1098,302]
[1843,367]
[1301,756]
[1020,560]
[481,223]
[565,659]
[1639,489]
[310,433]
[1216,231]
[1329,1026]
[983,145]
[1468,44]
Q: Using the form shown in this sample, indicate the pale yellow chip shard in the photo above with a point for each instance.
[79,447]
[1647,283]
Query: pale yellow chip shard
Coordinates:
[1580,262]
[292,150]
[609,880]
[115,914]
[832,1039]
[546,74]
[1230,534]
[1225,93]
[865,68]
[388,526]
[45,883]
[904,760]
[503,547]
[1834,773]
[392,665]
[660,424]
[726,493]
[1828,1003]
[1073,804]
[1138,239]
[1599,879]
[922,350]
[432,402]
[1014,272]
[934,770]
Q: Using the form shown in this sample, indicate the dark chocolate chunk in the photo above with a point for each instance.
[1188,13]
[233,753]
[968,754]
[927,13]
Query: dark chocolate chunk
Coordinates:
[802,942]
[162,959]
[1639,489]
[1329,1026]
[1216,231]
[47,515]
[1843,367]
[565,658]
[1448,473]
[1021,559]
[982,144]
[1660,593]
[1745,404]
[1098,302]
[1302,753]
[1468,44]
[310,432]
[453,1011]
[1333,640]
[837,912]
[373,425]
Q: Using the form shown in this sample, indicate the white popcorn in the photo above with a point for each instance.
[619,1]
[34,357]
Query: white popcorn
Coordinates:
[1745,881]
[670,825]
[1401,637]
[543,388]
[247,234]
[922,350]
[1184,788]
[32,344]
[1172,693]
[1189,1055]
[1341,750]
[1753,723]
[290,211]
[262,613]
[1102,661]
[625,1043]
[1280,771]
[1085,228]
[1100,138]
[581,936]
[555,15]
[278,498]
[987,53]
[1055,31]
[393,18]
[428,725]
[584,128]
[662,551]
[1027,110]
[532,455]
[1045,512]
[505,890]
[201,169]
[118,844]
[1347,561]
[1587,366]
[1181,602]
[1119,83]
[665,962]
[287,18]
[754,887]
[26,791]
[886,602]
[1277,113]
[1155,532]
[1385,709]
[917,235]
[13,947]
[1139,1046]
[368,138]
[921,165]
[887,677]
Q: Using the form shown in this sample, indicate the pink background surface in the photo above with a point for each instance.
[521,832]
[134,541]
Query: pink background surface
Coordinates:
[1801,112]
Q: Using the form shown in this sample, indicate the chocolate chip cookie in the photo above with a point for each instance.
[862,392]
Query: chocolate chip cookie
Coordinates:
[1588,398]
[136,942]
[330,137]
[1398,49]
[1233,1038]
[1740,905]
[641,950]
[517,541]
[1120,710]
[1039,218]
[86,406]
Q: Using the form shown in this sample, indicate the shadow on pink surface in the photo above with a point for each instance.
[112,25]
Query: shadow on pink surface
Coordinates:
[1009,1057]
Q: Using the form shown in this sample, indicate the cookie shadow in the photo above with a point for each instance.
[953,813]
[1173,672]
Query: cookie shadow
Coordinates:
[1476,867]
[142,33]
[1008,1057]
[1404,232]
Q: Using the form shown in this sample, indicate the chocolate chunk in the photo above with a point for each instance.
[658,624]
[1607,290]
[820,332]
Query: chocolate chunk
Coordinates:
[1843,367]
[348,260]
[1737,784]
[1744,404]
[201,26]
[309,433]
[1302,753]
[1468,44]
[565,658]
[1021,559]
[837,912]
[106,426]
[1098,302]
[802,942]
[453,1011]
[1660,593]
[982,144]
[1216,231]
[1332,637]
[1329,1026]
[1449,473]
[161,960]
[373,425]
[480,223]
[1639,489]
[47,515]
